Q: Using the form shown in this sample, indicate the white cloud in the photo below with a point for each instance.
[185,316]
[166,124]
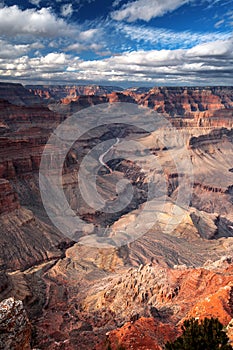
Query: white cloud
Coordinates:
[206,64]
[219,23]
[169,38]
[8,50]
[146,9]
[40,23]
[116,3]
[35,2]
[78,47]
[219,48]
[41,29]
[53,59]
[35,68]
[67,10]
[195,66]
[88,34]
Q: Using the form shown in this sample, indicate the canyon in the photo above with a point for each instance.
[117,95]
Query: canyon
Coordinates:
[79,295]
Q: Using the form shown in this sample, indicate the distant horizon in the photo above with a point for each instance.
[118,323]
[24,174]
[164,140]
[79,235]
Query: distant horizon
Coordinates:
[107,84]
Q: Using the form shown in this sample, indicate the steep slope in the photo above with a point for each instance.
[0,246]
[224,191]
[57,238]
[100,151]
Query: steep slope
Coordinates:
[18,95]
[75,294]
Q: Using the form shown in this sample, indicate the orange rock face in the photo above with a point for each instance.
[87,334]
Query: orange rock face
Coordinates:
[218,305]
[179,294]
[143,334]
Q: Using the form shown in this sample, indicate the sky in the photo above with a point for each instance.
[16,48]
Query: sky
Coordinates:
[117,42]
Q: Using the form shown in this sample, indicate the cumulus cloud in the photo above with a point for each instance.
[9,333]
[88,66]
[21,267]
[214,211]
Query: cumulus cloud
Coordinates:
[209,63]
[220,48]
[40,23]
[146,9]
[35,68]
[195,66]
[8,50]
[78,47]
[24,31]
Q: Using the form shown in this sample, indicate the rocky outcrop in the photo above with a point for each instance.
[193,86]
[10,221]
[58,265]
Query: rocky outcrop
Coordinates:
[171,101]
[218,305]
[144,333]
[20,155]
[137,308]
[18,95]
[120,97]
[15,329]
[26,240]
[209,107]
[22,118]
[190,101]
[69,93]
[8,197]
[215,136]
[68,107]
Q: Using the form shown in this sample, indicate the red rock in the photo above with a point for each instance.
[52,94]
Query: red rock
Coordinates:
[8,197]
[143,334]
[70,93]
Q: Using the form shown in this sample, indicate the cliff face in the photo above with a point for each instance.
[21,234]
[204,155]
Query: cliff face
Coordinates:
[180,294]
[18,95]
[15,329]
[26,239]
[8,197]
[185,107]
[70,93]
[15,118]
[137,308]
[144,333]
[189,102]
[75,296]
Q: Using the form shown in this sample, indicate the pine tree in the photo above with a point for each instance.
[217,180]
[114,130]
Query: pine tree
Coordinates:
[206,335]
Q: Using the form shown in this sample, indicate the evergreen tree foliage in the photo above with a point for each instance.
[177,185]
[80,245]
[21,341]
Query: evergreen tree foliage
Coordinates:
[206,335]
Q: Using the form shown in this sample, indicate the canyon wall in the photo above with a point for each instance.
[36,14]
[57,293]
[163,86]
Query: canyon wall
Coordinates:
[77,296]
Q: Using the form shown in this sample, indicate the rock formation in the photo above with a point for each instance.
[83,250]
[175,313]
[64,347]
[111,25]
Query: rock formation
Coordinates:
[26,239]
[139,294]
[69,93]
[18,95]
[8,197]
[15,329]
[144,333]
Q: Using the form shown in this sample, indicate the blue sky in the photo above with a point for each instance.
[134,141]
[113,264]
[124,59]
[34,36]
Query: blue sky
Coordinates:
[126,43]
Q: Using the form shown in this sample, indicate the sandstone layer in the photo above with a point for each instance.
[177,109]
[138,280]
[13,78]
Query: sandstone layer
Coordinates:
[137,295]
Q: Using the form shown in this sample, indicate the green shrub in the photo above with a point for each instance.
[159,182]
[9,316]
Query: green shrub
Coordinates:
[206,335]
